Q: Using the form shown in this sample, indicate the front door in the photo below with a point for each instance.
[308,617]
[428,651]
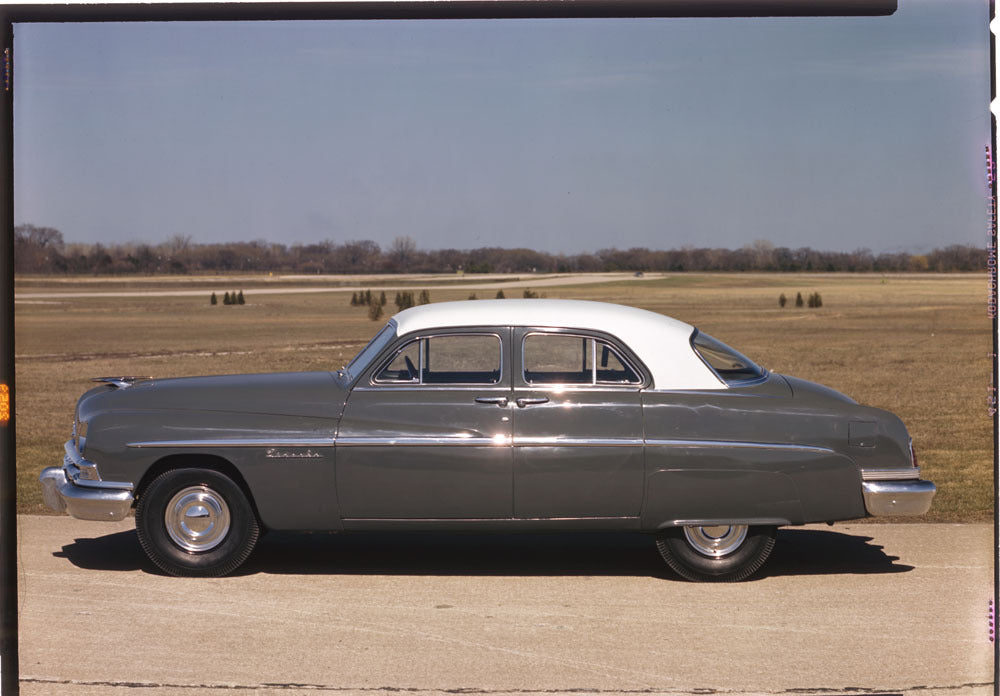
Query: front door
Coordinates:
[578,436]
[426,434]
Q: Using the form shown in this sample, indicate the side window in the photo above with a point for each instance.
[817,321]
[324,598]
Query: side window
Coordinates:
[732,367]
[611,368]
[447,359]
[557,359]
[403,367]
[564,359]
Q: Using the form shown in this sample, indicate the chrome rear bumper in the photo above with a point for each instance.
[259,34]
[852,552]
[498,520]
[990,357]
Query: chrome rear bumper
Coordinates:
[906,497]
[77,488]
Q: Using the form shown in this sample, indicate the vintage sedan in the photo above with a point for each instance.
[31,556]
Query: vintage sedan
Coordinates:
[490,415]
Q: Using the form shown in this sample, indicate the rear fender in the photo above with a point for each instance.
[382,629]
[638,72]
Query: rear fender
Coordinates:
[707,485]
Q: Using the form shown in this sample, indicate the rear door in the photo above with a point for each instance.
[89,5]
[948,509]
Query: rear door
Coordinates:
[578,434]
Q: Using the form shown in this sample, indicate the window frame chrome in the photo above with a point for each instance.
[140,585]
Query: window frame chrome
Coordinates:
[346,370]
[726,383]
[593,385]
[375,383]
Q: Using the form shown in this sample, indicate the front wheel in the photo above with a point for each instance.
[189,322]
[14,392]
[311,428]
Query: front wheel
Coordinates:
[196,523]
[719,553]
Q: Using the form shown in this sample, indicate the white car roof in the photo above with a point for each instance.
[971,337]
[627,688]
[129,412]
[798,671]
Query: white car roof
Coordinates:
[662,343]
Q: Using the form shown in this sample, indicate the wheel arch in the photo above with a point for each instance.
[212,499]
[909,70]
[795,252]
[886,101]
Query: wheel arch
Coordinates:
[711,521]
[198,460]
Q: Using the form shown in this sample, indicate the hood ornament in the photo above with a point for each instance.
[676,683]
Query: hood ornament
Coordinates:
[119,382]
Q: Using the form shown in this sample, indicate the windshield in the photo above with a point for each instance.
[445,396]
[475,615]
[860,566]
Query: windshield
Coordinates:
[732,367]
[368,353]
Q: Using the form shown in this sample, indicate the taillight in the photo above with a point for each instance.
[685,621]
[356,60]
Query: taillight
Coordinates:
[913,455]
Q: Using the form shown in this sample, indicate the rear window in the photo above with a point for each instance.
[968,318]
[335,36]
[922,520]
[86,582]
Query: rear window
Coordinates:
[732,367]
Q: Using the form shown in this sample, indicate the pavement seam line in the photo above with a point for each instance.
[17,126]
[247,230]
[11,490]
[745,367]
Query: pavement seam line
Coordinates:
[875,691]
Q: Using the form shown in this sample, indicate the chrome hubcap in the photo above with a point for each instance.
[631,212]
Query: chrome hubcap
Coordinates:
[197,519]
[716,541]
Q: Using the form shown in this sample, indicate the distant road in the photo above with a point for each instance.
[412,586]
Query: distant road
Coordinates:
[865,609]
[224,284]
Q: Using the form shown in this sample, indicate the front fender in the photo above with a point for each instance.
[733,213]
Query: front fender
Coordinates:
[287,462]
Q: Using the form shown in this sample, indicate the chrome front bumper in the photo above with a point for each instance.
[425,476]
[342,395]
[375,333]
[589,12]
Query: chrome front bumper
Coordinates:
[77,488]
[905,497]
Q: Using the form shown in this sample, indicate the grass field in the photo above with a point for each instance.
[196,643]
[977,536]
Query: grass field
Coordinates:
[918,345]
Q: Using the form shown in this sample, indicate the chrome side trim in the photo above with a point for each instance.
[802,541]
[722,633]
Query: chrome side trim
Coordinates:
[557,388]
[453,441]
[564,388]
[729,443]
[890,474]
[569,519]
[576,442]
[414,387]
[237,442]
[461,441]
[485,519]
[458,441]
[751,521]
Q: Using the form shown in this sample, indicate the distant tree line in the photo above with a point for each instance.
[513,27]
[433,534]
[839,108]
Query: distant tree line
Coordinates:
[42,250]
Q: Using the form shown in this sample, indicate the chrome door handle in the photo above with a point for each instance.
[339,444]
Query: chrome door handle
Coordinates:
[500,401]
[522,402]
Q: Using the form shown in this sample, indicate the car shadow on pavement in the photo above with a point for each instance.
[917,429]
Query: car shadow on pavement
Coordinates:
[797,552]
[828,552]
[119,551]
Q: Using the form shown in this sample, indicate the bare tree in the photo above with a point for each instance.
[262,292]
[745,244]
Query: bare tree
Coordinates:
[178,245]
[37,249]
[401,252]
[358,256]
[42,250]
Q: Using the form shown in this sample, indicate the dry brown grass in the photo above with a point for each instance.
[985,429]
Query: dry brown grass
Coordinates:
[917,345]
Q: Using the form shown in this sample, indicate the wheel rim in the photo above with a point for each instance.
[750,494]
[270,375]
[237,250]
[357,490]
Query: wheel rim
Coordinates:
[717,540]
[197,519]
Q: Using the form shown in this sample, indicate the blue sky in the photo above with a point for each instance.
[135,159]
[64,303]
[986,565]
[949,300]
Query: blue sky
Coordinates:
[559,135]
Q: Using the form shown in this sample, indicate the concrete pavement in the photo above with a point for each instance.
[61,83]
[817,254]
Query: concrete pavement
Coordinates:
[866,608]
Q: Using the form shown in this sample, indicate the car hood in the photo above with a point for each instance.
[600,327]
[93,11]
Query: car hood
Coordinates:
[305,394]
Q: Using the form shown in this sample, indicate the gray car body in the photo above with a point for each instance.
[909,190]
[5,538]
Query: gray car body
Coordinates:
[325,451]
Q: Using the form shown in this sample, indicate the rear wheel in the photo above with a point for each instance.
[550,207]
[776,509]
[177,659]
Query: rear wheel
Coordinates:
[719,553]
[196,522]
